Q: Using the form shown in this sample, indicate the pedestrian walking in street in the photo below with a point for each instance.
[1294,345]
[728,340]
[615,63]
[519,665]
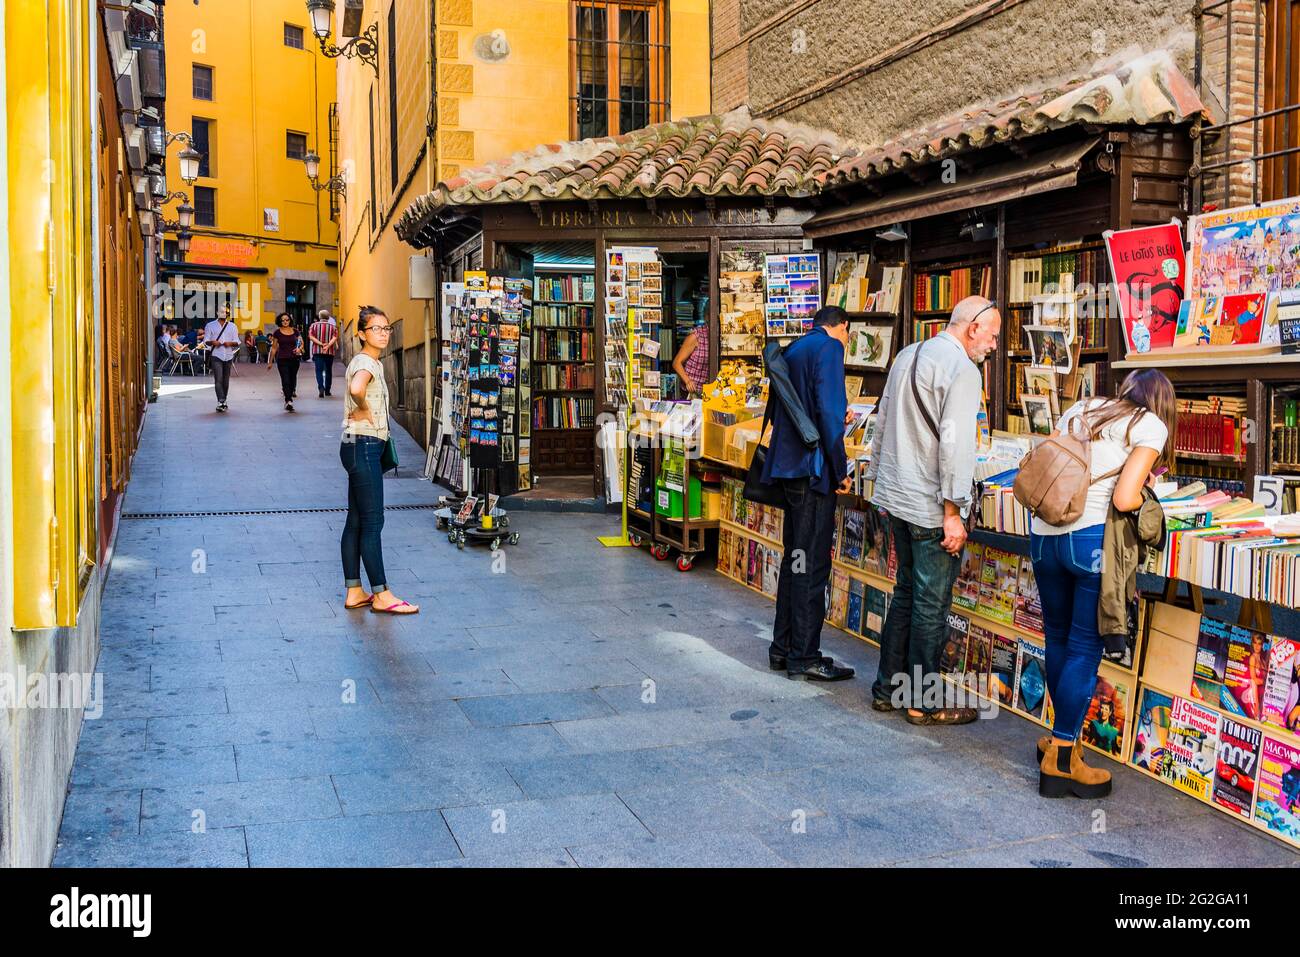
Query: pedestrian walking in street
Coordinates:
[286,353]
[222,338]
[809,479]
[923,468]
[1086,569]
[250,347]
[324,336]
[365,436]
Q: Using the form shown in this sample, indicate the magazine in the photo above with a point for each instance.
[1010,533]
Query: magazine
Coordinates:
[1282,686]
[1237,766]
[1151,733]
[839,596]
[979,653]
[1002,670]
[1245,672]
[1193,742]
[878,543]
[1031,679]
[1278,804]
[1211,659]
[967,591]
[854,534]
[771,570]
[875,606]
[1028,607]
[952,657]
[853,617]
[1103,724]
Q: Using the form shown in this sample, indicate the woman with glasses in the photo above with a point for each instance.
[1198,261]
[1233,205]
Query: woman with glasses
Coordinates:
[286,352]
[365,433]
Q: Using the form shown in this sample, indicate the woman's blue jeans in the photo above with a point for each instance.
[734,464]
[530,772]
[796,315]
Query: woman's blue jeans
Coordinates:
[360,456]
[1068,571]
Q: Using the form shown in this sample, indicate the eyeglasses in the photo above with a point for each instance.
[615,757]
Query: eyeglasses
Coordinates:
[378,329]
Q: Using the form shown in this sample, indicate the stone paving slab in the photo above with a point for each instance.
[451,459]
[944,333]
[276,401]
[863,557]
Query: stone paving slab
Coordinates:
[585,706]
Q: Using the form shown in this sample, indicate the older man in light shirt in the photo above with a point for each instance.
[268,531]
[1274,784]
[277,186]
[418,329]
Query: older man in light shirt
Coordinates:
[923,466]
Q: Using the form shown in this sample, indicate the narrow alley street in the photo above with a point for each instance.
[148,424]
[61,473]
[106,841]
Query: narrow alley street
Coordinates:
[526,716]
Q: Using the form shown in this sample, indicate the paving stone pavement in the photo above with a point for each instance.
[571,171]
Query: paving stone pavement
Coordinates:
[583,706]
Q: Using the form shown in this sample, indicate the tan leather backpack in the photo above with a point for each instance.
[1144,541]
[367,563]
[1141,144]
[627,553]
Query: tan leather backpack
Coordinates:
[1054,478]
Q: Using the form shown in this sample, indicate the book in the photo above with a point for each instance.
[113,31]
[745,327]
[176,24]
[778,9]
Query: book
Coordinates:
[1211,660]
[1031,679]
[1103,722]
[1277,805]
[839,597]
[1245,672]
[1151,733]
[1282,686]
[1193,743]
[1237,766]
[1002,669]
[1028,607]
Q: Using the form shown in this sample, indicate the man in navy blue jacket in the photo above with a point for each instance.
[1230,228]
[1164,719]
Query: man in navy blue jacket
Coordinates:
[809,478]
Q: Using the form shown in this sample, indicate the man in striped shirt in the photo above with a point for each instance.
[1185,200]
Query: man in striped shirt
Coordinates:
[324,336]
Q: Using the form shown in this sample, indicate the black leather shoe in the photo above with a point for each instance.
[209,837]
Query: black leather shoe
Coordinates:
[776,662]
[824,670]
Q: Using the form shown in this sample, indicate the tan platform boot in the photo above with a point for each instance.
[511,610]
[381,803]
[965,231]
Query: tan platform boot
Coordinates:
[1063,772]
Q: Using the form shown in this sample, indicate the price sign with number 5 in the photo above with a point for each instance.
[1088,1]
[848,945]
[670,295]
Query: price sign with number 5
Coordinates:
[1268,492]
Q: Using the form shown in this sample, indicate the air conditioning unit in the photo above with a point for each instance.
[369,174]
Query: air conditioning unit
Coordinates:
[135,147]
[128,85]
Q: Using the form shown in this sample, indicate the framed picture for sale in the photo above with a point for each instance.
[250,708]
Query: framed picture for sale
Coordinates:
[1038,410]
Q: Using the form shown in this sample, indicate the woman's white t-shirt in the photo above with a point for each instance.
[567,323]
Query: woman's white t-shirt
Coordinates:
[1109,452]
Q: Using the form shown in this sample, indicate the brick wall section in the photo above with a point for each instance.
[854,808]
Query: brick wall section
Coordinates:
[730,69]
[1230,95]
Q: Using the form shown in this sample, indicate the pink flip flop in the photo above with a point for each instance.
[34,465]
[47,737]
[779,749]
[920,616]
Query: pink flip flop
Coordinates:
[393,609]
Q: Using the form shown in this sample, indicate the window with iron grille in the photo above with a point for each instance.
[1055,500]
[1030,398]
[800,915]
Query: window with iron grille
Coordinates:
[618,66]
[295,145]
[201,140]
[293,36]
[205,206]
[1248,73]
[202,82]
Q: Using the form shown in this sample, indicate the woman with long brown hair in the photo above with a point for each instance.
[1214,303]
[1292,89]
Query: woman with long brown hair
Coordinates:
[1132,436]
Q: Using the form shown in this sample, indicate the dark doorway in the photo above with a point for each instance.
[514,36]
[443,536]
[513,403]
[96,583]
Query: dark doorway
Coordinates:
[300,302]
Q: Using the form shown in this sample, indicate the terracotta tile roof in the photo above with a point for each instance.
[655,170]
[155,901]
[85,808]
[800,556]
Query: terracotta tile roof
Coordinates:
[1149,89]
[729,155]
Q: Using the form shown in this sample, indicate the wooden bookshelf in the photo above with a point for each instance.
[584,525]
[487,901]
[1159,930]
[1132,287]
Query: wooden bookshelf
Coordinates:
[570,321]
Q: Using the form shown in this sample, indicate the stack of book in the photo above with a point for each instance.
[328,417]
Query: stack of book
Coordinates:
[559,413]
[934,291]
[570,288]
[1211,426]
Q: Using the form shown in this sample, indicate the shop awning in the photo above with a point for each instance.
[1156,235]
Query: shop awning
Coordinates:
[728,155]
[1052,169]
[1145,90]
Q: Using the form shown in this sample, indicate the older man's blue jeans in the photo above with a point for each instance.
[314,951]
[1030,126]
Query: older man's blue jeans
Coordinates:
[918,616]
[324,372]
[809,529]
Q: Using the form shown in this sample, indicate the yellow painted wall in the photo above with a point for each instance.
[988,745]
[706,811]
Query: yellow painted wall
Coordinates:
[486,111]
[261,89]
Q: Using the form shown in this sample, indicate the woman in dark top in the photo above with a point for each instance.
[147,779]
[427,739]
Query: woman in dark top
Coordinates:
[286,350]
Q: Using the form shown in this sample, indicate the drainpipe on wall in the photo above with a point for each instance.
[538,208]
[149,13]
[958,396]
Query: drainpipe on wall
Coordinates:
[430,161]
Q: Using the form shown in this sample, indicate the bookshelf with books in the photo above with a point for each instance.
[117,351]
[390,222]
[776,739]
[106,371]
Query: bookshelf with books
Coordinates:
[562,405]
[1078,273]
[936,288]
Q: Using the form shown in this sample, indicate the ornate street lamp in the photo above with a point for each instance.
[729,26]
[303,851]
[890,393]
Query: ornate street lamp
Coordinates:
[183,241]
[335,184]
[364,47]
[189,159]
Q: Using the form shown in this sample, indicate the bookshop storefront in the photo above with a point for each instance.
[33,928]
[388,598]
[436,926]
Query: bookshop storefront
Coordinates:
[681,262]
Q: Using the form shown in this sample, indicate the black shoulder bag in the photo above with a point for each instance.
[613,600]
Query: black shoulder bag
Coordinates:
[977,488]
[756,490]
